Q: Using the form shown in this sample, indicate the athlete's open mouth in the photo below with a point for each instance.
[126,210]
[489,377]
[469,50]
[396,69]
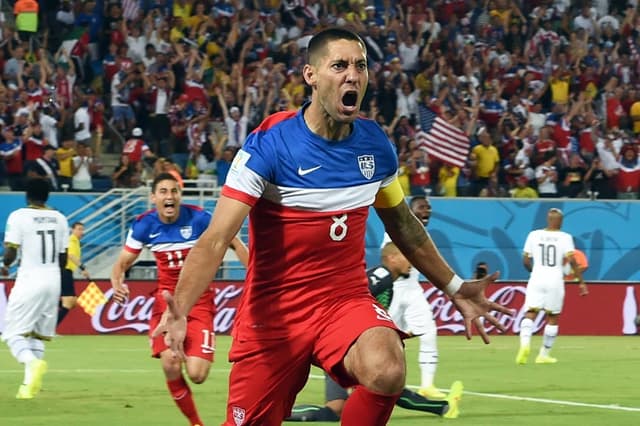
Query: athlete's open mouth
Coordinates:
[169,204]
[350,98]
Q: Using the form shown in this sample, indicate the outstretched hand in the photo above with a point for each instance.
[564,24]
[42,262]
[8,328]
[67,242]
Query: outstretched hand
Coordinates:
[473,304]
[172,326]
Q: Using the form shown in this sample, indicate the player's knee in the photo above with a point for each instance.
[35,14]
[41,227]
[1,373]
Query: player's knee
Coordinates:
[198,377]
[172,367]
[384,373]
[390,379]
[198,372]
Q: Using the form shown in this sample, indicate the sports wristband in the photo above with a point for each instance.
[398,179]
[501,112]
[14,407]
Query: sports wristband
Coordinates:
[82,267]
[454,285]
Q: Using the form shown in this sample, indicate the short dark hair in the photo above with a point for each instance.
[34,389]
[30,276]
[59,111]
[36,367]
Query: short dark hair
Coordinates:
[37,190]
[160,178]
[318,43]
[417,198]
[73,226]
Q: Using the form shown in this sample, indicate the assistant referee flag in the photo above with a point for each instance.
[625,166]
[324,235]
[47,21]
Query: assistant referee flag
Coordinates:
[91,298]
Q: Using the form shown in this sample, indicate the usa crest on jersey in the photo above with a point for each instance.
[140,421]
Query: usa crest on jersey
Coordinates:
[238,415]
[186,231]
[367,165]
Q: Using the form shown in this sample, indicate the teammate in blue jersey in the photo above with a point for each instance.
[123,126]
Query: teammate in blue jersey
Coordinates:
[170,231]
[306,180]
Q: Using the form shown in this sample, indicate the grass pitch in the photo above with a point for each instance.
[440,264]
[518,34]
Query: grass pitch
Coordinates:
[111,380]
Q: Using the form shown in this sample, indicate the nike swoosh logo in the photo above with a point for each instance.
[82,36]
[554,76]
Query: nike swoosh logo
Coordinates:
[303,172]
[154,235]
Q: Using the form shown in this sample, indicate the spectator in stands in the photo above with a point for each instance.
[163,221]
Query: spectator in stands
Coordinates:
[523,189]
[123,115]
[126,174]
[547,176]
[486,160]
[64,157]
[137,149]
[82,121]
[11,153]
[572,177]
[235,120]
[45,167]
[83,168]
[628,177]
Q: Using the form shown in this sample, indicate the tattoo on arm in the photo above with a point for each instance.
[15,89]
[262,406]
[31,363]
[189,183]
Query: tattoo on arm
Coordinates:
[403,227]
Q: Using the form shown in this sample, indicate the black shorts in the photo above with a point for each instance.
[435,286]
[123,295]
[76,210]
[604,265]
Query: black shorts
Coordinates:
[333,391]
[67,283]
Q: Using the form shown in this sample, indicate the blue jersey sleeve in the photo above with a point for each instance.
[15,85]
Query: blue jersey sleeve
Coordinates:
[260,148]
[139,230]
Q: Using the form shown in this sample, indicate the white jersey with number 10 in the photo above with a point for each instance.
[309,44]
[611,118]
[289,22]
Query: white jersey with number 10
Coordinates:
[548,250]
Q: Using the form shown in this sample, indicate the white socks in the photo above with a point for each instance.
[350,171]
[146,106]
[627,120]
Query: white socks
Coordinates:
[37,347]
[21,350]
[428,359]
[550,334]
[526,330]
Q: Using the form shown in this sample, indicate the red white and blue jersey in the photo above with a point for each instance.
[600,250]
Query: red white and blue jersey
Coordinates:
[169,242]
[310,200]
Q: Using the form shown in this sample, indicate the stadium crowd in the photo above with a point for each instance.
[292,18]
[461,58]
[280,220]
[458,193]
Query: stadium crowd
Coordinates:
[548,92]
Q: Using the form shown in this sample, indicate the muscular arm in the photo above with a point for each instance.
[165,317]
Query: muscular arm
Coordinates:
[414,242]
[207,254]
[124,262]
[408,233]
[241,251]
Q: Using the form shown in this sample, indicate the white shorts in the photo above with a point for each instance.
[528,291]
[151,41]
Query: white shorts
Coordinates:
[547,296]
[409,308]
[33,304]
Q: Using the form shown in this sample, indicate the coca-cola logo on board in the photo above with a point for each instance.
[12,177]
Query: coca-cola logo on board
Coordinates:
[448,318]
[136,313]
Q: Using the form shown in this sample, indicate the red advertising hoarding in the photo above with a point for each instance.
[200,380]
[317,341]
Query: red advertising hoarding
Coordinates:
[607,309]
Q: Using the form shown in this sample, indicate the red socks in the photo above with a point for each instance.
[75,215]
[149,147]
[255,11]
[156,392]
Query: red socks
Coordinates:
[181,394]
[364,407]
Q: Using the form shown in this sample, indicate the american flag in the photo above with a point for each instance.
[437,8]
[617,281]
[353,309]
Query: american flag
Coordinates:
[441,139]
[130,9]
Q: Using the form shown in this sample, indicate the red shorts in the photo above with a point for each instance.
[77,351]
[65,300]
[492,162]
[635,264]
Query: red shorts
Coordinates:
[200,340]
[268,373]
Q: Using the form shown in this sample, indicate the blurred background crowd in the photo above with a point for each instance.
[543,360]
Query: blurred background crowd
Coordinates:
[547,91]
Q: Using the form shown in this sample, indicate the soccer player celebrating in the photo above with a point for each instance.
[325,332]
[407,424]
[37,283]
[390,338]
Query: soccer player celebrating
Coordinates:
[170,231]
[307,179]
[41,236]
[548,248]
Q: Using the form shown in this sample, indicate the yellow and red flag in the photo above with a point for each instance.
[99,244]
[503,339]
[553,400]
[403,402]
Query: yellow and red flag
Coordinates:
[91,298]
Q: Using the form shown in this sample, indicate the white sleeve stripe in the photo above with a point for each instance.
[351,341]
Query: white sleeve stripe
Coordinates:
[247,181]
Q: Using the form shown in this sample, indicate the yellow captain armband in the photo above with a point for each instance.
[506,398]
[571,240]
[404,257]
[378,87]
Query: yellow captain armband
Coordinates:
[390,195]
[12,245]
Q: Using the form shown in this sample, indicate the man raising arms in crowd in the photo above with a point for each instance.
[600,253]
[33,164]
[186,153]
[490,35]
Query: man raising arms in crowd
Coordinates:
[307,179]
[170,231]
